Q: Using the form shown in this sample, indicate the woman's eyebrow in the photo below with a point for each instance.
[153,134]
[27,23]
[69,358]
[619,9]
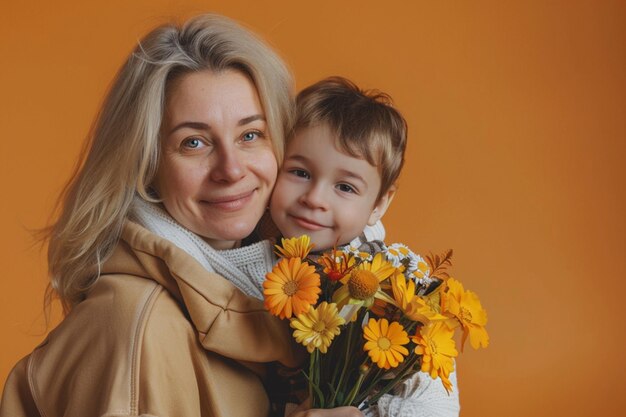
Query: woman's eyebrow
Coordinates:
[250,119]
[192,125]
[206,127]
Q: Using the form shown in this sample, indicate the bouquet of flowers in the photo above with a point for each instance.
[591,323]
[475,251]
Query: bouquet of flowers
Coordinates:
[371,320]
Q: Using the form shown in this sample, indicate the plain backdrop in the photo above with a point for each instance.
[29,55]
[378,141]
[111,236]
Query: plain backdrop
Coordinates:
[517,126]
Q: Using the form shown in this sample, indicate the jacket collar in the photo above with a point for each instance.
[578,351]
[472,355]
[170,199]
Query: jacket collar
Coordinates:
[227,321]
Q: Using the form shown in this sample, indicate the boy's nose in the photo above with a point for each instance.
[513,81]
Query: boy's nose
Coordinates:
[315,198]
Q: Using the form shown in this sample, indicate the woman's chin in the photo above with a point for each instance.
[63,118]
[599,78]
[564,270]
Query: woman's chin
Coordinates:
[227,236]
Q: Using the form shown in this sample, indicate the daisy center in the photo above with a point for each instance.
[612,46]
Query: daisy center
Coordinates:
[363,284]
[384,343]
[290,288]
[319,327]
[465,315]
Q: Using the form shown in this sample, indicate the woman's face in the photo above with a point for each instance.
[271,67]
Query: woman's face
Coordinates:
[217,167]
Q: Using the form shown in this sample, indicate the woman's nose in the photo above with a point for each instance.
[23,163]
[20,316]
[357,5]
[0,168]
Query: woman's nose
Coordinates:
[315,198]
[228,166]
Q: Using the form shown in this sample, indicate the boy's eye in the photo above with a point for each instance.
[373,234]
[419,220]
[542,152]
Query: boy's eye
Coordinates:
[346,188]
[300,173]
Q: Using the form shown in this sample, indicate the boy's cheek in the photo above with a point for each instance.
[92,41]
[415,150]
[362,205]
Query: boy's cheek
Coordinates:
[284,191]
[278,190]
[278,201]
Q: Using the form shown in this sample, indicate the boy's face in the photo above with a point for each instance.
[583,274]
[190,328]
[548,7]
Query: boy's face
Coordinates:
[323,192]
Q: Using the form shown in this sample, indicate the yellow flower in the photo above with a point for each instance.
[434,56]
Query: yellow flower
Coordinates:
[362,285]
[403,291]
[379,267]
[436,345]
[296,247]
[434,299]
[317,327]
[291,288]
[385,343]
[412,305]
[466,307]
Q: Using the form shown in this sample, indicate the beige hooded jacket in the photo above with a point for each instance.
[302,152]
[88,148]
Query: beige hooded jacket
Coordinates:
[157,335]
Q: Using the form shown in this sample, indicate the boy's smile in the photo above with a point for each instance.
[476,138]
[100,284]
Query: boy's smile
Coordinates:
[306,223]
[323,192]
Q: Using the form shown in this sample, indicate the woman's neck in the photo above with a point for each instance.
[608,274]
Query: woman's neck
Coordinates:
[222,244]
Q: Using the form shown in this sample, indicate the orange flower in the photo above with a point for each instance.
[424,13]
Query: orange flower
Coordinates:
[336,264]
[466,307]
[436,345]
[291,288]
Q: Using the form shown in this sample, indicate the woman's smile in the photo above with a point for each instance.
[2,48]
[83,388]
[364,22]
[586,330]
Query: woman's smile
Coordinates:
[230,202]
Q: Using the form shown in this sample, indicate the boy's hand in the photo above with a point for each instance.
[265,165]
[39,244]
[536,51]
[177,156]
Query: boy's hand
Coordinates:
[304,410]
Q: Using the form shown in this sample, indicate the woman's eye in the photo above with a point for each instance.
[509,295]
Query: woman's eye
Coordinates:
[192,143]
[250,136]
[300,173]
[346,188]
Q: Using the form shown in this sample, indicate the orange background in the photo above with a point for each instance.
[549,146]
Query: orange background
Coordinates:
[517,116]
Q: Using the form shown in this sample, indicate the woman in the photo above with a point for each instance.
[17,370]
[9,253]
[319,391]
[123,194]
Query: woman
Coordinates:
[147,255]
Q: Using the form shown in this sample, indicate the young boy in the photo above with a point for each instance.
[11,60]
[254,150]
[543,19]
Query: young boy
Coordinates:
[341,164]
[339,174]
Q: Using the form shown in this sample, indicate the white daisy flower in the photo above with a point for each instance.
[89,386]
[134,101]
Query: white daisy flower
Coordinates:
[418,266]
[366,257]
[355,252]
[396,253]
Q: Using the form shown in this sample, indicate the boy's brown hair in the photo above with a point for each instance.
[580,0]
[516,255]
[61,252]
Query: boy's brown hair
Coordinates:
[364,122]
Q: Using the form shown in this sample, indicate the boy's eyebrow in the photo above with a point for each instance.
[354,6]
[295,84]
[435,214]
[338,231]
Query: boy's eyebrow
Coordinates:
[353,175]
[344,172]
[299,158]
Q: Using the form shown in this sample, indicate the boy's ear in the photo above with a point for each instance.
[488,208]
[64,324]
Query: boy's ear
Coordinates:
[381,206]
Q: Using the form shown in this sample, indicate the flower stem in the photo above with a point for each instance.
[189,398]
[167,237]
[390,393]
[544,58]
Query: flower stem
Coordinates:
[391,384]
[345,364]
[355,389]
[311,369]
[317,400]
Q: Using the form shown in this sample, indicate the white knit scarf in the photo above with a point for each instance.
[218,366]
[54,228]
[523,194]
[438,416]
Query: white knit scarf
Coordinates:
[245,267]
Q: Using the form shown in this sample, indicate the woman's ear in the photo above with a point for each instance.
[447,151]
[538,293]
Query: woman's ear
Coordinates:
[381,206]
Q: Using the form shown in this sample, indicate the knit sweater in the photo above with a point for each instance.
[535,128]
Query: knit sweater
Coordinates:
[245,267]
[419,396]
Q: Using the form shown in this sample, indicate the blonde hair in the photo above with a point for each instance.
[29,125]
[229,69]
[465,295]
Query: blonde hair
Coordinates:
[123,148]
[364,122]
